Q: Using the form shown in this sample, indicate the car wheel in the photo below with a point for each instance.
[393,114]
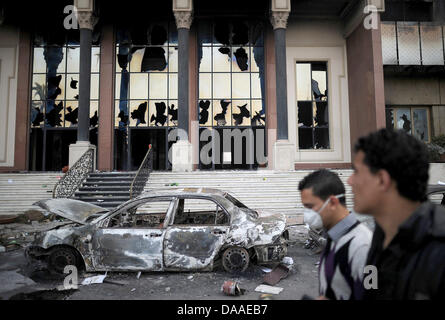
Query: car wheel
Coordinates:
[235,259]
[60,258]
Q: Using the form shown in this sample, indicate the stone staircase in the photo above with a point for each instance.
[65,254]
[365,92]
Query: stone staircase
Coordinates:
[106,189]
[18,191]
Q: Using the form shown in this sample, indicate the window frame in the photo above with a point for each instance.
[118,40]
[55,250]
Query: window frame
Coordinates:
[411,108]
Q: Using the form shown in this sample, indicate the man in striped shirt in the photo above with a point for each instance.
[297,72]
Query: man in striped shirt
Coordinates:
[348,241]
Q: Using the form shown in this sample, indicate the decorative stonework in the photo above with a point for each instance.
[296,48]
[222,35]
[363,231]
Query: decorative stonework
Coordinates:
[183,19]
[279,19]
[86,20]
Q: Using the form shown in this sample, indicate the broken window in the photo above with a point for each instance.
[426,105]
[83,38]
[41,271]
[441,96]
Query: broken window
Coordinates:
[149,214]
[412,120]
[146,91]
[199,212]
[312,105]
[55,95]
[231,73]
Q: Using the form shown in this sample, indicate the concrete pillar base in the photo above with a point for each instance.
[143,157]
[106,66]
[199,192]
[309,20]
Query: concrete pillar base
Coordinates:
[182,153]
[284,155]
[78,149]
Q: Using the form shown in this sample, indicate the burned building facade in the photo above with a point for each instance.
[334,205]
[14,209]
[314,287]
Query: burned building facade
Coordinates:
[294,82]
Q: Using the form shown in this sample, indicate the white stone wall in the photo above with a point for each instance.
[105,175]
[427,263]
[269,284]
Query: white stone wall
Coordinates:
[320,41]
[9,47]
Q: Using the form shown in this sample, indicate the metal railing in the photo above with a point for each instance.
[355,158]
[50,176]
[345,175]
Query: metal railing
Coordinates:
[413,43]
[141,177]
[74,177]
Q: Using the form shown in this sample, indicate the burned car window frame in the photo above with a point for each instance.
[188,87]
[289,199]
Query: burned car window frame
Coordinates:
[175,211]
[104,222]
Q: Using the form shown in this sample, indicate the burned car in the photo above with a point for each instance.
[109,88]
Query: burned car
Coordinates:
[163,230]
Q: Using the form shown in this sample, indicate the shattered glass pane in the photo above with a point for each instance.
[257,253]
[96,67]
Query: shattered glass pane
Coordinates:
[158,86]
[204,33]
[71,113]
[38,87]
[172,112]
[305,138]
[39,64]
[304,82]
[321,137]
[138,85]
[221,85]
[158,113]
[94,116]
[241,112]
[205,64]
[37,113]
[119,115]
[321,114]
[173,34]
[136,59]
[420,117]
[319,88]
[221,33]
[222,113]
[56,87]
[240,59]
[403,117]
[240,33]
[258,119]
[305,114]
[117,87]
[205,85]
[205,113]
[54,114]
[258,57]
[158,34]
[221,59]
[138,113]
[240,85]
[154,59]
[72,86]
[389,118]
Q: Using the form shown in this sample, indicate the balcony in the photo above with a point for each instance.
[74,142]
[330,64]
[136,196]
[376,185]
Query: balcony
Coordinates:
[413,44]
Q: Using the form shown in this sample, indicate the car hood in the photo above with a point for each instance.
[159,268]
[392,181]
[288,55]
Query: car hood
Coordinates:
[265,229]
[74,210]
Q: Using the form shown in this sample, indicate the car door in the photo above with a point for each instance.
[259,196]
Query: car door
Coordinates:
[195,235]
[132,239]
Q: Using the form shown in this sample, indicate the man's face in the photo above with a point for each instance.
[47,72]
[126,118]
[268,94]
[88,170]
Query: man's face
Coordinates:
[313,202]
[364,186]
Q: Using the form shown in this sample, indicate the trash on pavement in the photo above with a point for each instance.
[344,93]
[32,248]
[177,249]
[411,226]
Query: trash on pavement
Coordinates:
[138,275]
[288,260]
[278,273]
[268,289]
[266,270]
[93,280]
[231,288]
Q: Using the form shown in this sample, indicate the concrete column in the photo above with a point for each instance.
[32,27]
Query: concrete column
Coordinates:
[182,159]
[365,81]
[284,151]
[86,23]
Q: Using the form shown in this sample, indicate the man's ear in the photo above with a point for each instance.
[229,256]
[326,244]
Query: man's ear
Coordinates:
[385,180]
[334,201]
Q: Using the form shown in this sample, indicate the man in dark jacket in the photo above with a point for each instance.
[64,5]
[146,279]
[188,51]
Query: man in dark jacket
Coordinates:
[408,247]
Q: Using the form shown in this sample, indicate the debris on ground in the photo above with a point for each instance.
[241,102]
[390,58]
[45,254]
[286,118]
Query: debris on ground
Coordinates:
[190,277]
[167,289]
[288,261]
[120,283]
[266,270]
[2,249]
[268,289]
[94,280]
[231,288]
[138,275]
[278,273]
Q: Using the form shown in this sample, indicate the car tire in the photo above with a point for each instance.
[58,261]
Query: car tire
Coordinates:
[61,257]
[235,259]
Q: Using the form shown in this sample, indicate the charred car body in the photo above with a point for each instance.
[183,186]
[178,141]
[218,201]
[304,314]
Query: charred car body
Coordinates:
[164,230]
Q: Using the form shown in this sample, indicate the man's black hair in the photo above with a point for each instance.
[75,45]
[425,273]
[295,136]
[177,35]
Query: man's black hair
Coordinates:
[324,183]
[403,156]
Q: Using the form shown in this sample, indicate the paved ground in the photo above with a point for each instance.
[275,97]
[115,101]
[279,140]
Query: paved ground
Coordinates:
[303,279]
